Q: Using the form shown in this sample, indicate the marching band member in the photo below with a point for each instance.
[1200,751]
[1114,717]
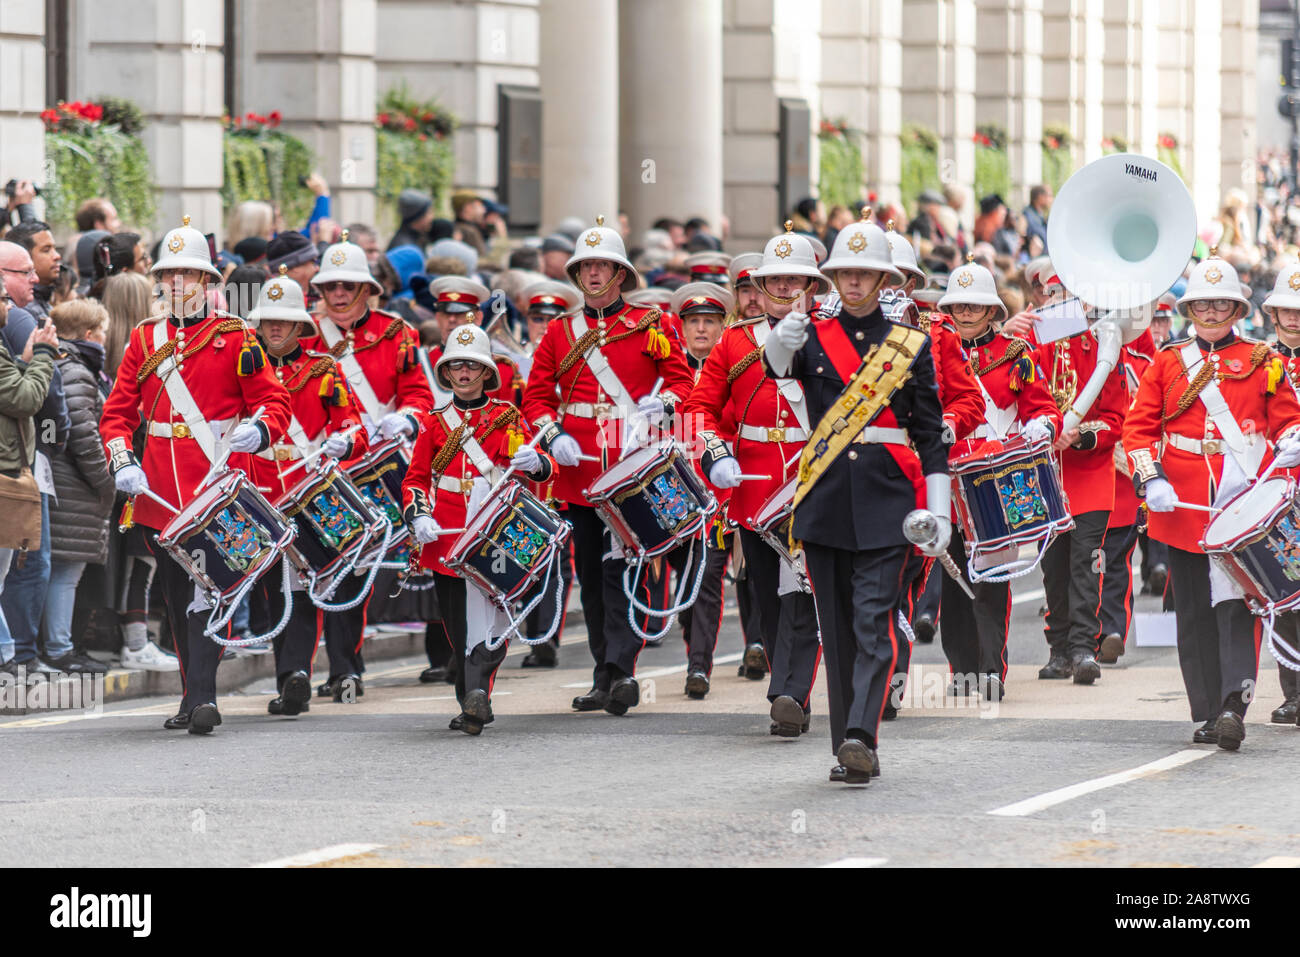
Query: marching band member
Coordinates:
[1071,572]
[1016,400]
[877,449]
[709,267]
[322,409]
[189,372]
[460,443]
[1196,434]
[547,300]
[377,353]
[703,308]
[592,373]
[1283,307]
[1155,555]
[460,301]
[772,422]
[1116,612]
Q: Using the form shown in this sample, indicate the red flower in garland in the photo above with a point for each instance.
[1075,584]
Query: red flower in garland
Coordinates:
[1167,142]
[275,117]
[409,124]
[382,119]
[1053,143]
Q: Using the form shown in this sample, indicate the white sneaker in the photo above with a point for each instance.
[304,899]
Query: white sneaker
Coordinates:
[149,658]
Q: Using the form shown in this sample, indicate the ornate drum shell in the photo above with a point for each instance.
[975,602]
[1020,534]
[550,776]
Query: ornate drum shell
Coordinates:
[772,521]
[1250,540]
[993,490]
[325,549]
[378,476]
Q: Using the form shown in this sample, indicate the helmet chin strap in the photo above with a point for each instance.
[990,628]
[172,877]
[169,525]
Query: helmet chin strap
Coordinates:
[597,293]
[363,292]
[781,300]
[1203,324]
[869,299]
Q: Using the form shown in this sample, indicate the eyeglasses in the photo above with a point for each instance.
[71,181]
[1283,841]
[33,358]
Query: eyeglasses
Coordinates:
[21,272]
[1212,305]
[965,308]
[346,286]
[455,365]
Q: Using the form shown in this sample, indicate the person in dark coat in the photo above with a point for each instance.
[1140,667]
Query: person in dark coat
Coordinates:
[84,489]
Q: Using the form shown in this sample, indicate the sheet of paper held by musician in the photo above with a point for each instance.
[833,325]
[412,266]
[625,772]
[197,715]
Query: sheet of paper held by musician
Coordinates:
[656,434]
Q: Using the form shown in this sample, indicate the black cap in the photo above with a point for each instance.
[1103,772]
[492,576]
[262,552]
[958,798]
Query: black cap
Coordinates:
[250,248]
[289,249]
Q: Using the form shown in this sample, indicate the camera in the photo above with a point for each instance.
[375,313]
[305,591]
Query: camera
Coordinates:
[11,187]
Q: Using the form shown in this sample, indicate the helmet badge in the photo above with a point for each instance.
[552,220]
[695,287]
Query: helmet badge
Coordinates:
[274,291]
[175,244]
[783,249]
[857,243]
[1212,275]
[338,257]
[965,278]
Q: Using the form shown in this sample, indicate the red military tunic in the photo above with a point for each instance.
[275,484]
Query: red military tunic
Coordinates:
[209,363]
[734,400]
[1009,373]
[959,393]
[1134,360]
[1253,383]
[511,382]
[632,340]
[726,431]
[322,405]
[440,478]
[385,348]
[1087,471]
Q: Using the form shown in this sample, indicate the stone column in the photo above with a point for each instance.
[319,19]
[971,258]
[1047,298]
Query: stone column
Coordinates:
[1203,143]
[167,56]
[579,73]
[1074,39]
[939,66]
[861,73]
[1239,77]
[314,61]
[22,93]
[1010,67]
[750,123]
[670,110]
[460,54]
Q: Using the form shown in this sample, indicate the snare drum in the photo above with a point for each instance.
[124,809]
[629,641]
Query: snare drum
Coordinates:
[378,476]
[652,501]
[772,521]
[228,536]
[1009,497]
[1255,540]
[339,528]
[509,545]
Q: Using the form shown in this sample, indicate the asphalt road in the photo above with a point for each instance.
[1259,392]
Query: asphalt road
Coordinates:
[383,782]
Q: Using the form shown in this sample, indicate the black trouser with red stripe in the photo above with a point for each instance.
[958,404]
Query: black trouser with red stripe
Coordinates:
[1072,581]
[1218,646]
[344,630]
[745,598]
[974,633]
[763,570]
[478,670]
[857,596]
[613,644]
[1117,582]
[700,622]
[295,646]
[198,654]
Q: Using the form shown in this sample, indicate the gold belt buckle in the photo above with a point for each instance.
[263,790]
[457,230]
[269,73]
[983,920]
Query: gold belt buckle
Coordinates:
[776,434]
[466,485]
[602,409]
[283,454]
[180,430]
[1211,447]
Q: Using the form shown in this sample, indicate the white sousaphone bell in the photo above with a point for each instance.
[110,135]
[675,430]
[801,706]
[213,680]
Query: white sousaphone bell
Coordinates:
[1120,234]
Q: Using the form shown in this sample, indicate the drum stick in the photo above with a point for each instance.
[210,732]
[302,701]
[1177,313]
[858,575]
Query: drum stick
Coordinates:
[161,501]
[630,432]
[1198,508]
[753,478]
[588,458]
[312,456]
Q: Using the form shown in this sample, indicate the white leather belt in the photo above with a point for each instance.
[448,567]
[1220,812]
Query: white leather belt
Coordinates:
[450,484]
[593,410]
[280,453]
[179,430]
[756,433]
[872,434]
[1185,443]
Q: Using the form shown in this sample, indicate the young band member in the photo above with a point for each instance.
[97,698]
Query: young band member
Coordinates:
[1016,402]
[377,352]
[876,452]
[460,301]
[462,443]
[1209,414]
[772,422]
[703,308]
[592,373]
[1283,307]
[323,411]
[190,373]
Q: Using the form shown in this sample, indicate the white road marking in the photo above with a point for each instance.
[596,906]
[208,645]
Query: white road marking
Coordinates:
[661,672]
[1061,795]
[1028,596]
[858,862]
[90,716]
[451,697]
[1279,862]
[321,855]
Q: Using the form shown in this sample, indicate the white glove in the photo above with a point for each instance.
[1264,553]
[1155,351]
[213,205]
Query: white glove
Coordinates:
[247,437]
[394,424]
[1287,454]
[653,408]
[787,338]
[725,473]
[1037,429]
[425,530]
[336,446]
[526,460]
[1161,495]
[130,479]
[938,501]
[566,450]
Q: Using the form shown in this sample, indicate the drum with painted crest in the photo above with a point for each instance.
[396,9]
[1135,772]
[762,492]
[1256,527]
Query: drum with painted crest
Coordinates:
[652,501]
[228,536]
[1011,505]
[378,476]
[1255,540]
[772,521]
